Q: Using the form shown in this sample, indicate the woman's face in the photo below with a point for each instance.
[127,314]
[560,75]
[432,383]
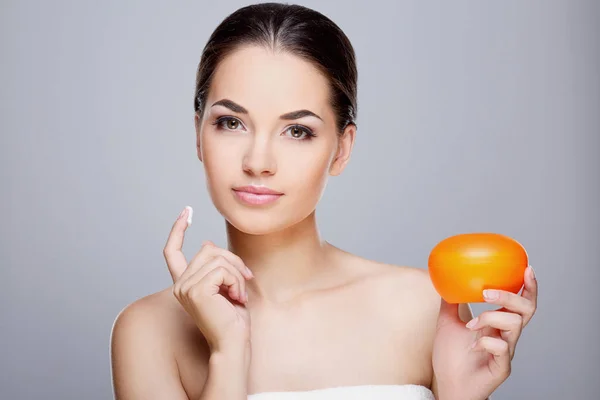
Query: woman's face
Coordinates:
[268,123]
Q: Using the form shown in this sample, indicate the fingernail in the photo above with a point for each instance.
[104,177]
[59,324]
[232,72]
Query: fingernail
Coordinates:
[472,322]
[249,272]
[532,272]
[245,297]
[181,213]
[189,218]
[490,294]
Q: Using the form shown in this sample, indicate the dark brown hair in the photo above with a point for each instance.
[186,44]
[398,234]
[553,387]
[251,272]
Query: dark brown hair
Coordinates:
[293,28]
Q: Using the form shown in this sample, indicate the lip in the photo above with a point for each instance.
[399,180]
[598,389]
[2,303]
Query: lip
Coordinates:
[256,195]
[256,190]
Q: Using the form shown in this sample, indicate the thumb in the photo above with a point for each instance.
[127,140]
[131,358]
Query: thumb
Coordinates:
[448,313]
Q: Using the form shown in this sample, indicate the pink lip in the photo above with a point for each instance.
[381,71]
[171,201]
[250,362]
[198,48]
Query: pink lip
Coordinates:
[256,195]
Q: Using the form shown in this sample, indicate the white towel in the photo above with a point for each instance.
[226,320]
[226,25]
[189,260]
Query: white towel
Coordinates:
[362,392]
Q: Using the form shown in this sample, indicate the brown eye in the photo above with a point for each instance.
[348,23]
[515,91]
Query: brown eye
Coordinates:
[229,124]
[299,132]
[232,124]
[296,132]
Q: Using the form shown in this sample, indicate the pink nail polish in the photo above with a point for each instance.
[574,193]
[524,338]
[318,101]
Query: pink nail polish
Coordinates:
[472,322]
[491,294]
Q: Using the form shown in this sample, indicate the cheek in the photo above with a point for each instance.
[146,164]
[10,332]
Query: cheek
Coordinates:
[308,170]
[221,162]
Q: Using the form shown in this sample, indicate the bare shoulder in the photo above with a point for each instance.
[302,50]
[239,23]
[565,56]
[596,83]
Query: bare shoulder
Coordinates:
[410,289]
[143,348]
[154,316]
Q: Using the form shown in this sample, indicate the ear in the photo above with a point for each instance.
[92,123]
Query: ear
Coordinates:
[198,124]
[344,150]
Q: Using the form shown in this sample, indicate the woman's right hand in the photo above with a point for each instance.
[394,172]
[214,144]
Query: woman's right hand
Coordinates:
[212,288]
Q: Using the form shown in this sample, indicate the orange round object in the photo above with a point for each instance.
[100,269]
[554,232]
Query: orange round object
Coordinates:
[462,266]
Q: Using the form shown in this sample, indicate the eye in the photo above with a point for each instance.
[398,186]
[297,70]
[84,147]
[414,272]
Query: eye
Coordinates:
[228,123]
[300,132]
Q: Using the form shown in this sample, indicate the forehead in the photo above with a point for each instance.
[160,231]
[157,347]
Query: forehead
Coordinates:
[259,78]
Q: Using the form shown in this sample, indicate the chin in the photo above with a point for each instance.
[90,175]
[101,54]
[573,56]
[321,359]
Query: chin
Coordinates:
[262,221]
[257,229]
[258,222]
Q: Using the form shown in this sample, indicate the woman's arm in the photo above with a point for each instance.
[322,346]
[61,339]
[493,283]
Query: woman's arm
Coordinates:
[142,365]
[227,375]
[466,314]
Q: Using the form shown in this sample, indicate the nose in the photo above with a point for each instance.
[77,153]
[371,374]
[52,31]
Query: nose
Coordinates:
[259,159]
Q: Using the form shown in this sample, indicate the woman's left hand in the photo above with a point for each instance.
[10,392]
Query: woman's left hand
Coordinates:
[470,361]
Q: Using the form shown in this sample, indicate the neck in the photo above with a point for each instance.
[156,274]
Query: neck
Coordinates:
[284,263]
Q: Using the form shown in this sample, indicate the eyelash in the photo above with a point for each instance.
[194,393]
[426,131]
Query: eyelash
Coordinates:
[309,133]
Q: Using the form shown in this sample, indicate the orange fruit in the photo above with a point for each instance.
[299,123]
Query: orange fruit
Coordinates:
[462,266]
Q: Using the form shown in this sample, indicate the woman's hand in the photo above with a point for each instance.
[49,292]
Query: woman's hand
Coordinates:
[470,361]
[212,288]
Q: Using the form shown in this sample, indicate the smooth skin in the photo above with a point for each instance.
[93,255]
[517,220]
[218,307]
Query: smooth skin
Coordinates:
[281,309]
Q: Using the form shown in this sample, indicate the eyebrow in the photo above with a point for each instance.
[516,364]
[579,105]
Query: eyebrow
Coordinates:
[287,116]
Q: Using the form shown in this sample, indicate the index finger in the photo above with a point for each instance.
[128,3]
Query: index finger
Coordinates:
[174,257]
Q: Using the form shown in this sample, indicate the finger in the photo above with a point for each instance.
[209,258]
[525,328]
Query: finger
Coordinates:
[209,249]
[218,277]
[174,257]
[198,261]
[511,302]
[509,324]
[236,292]
[499,350]
[530,290]
[448,313]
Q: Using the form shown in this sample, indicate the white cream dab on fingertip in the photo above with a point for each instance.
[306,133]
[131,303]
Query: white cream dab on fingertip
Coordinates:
[189,218]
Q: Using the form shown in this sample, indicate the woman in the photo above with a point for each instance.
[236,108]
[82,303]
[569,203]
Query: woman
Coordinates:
[282,313]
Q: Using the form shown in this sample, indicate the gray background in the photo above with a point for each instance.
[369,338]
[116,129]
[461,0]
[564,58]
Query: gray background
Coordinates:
[473,116]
